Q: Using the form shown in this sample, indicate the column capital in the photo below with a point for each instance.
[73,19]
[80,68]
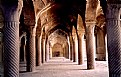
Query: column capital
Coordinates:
[92,23]
[38,35]
[90,27]
[113,11]
[38,32]
[81,33]
[32,30]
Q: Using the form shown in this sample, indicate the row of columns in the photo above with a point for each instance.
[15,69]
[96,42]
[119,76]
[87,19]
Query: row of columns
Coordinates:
[31,47]
[11,44]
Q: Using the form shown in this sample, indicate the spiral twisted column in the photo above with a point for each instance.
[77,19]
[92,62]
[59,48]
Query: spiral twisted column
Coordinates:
[80,50]
[114,40]
[11,38]
[38,52]
[90,45]
[11,49]
[31,59]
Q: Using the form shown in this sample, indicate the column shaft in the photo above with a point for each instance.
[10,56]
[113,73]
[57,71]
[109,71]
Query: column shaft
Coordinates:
[66,51]
[90,45]
[69,49]
[114,40]
[31,62]
[23,49]
[38,52]
[47,51]
[11,49]
[80,50]
[72,49]
[43,50]
[76,49]
[100,49]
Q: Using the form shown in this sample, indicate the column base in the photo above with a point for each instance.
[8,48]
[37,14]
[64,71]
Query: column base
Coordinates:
[31,70]
[90,66]
[80,63]
[100,57]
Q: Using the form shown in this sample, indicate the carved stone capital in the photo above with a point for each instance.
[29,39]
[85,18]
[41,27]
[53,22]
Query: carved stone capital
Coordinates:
[90,23]
[32,30]
[113,11]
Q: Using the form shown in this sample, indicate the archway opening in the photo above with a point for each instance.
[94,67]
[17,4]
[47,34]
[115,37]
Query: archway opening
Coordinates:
[57,50]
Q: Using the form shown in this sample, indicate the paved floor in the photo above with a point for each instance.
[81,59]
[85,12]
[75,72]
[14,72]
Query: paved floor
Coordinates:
[61,67]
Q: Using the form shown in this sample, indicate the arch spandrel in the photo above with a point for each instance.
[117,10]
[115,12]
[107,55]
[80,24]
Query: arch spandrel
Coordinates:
[29,13]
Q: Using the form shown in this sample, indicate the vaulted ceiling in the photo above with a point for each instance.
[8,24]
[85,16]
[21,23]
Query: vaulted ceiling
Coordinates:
[56,15]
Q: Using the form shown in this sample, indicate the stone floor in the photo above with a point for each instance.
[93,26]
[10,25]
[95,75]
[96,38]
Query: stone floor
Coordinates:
[61,67]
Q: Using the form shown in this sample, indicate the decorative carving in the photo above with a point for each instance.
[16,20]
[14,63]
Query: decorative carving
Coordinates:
[113,11]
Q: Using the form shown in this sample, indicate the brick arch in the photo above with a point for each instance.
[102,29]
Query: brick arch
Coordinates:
[57,50]
[28,12]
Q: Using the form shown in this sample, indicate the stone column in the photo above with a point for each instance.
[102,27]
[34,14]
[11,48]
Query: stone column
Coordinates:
[90,45]
[114,39]
[1,47]
[42,47]
[72,54]
[43,50]
[23,49]
[66,51]
[47,51]
[64,54]
[76,48]
[100,45]
[38,52]
[11,40]
[50,51]
[31,62]
[80,50]
[11,49]
[69,49]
